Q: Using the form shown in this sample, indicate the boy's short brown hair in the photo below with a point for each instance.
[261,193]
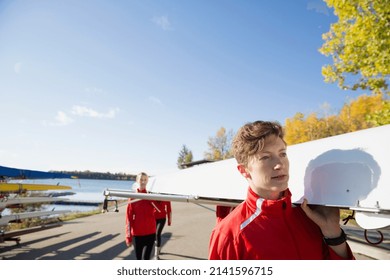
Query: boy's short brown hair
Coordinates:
[250,139]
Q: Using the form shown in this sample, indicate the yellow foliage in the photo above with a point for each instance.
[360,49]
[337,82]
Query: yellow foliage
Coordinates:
[355,115]
[358,44]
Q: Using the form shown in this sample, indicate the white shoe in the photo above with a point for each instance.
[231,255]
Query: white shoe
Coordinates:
[157,251]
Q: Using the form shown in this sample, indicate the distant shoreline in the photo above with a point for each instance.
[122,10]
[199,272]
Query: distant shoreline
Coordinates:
[99,175]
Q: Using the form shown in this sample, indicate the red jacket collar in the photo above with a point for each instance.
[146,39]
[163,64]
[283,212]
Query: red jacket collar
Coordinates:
[254,201]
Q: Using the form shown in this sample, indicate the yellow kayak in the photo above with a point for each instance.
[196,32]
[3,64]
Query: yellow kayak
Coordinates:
[15,187]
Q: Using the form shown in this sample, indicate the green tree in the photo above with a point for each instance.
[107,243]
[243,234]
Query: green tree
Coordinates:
[359,44]
[220,145]
[185,156]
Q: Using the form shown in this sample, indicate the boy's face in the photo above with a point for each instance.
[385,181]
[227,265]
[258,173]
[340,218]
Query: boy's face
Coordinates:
[267,171]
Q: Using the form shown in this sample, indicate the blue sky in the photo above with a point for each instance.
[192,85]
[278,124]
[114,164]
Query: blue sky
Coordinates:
[120,86]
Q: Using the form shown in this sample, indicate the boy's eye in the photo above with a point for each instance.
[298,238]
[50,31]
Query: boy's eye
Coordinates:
[264,157]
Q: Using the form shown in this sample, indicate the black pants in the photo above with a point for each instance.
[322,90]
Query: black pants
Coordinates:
[143,246]
[160,223]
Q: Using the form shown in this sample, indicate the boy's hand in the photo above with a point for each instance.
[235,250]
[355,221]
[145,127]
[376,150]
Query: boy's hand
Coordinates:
[327,218]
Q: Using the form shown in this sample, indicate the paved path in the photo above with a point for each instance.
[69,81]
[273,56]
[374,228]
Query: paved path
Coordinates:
[101,237]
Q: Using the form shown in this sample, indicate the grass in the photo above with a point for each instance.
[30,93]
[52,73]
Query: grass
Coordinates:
[32,222]
[346,213]
[76,215]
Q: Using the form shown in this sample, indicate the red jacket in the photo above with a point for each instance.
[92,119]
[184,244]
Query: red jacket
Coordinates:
[268,230]
[140,218]
[164,210]
[222,211]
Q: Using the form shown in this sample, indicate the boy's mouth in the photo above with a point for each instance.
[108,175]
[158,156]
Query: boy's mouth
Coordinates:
[279,177]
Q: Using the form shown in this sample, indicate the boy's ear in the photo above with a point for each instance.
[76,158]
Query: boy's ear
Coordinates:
[241,168]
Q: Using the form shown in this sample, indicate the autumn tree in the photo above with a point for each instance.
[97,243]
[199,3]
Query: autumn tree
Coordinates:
[364,112]
[220,145]
[359,44]
[185,156]
[354,114]
[301,129]
[380,117]
[294,129]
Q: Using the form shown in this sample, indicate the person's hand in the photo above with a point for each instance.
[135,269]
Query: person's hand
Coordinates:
[327,218]
[129,243]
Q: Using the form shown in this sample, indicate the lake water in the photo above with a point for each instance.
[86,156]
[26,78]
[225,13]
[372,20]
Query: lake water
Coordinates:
[85,190]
